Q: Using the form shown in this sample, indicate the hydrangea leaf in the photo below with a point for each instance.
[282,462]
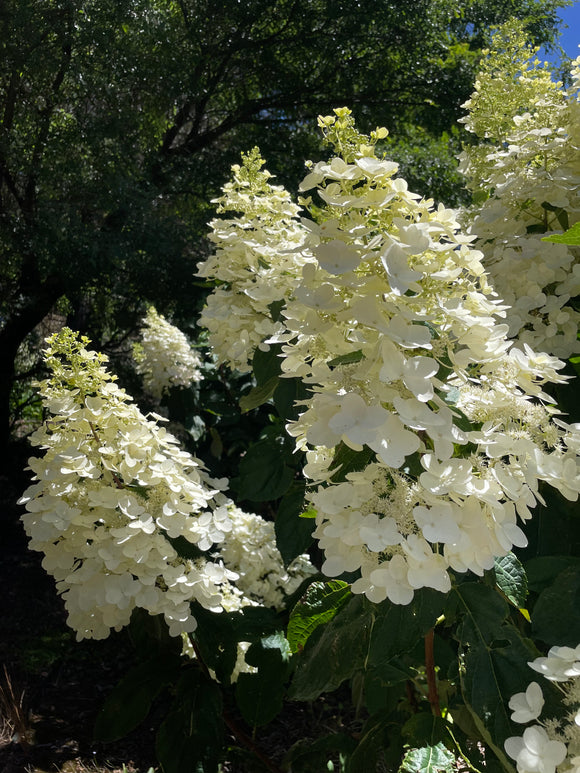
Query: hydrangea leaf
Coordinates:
[191,736]
[334,652]
[347,460]
[495,657]
[320,604]
[571,236]
[398,627]
[259,695]
[287,392]
[266,364]
[543,570]
[555,617]
[293,534]
[259,395]
[373,738]
[511,579]
[425,729]
[429,759]
[130,701]
[263,475]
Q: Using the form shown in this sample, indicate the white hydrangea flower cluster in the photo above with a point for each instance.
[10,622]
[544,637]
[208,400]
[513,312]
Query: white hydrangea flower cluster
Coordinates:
[164,356]
[553,744]
[112,490]
[525,173]
[441,423]
[256,262]
[250,551]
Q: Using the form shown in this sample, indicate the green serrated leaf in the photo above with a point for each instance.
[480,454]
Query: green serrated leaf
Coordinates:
[259,395]
[543,570]
[495,658]
[319,605]
[334,652]
[266,364]
[191,736]
[286,394]
[397,627]
[130,701]
[511,579]
[425,729]
[347,359]
[429,759]
[293,535]
[347,460]
[555,618]
[373,738]
[570,236]
[263,475]
[217,641]
[260,695]
[254,623]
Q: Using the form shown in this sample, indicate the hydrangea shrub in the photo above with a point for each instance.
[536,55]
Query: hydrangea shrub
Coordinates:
[524,170]
[416,439]
[164,357]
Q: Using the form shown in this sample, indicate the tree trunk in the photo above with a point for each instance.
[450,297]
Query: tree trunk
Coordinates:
[15,330]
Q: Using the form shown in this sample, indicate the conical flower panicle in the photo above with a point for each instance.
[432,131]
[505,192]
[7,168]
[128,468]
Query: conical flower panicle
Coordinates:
[525,173]
[112,490]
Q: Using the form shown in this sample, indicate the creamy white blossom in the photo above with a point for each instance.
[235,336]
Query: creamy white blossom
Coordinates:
[555,742]
[255,263]
[164,356]
[390,322]
[527,706]
[535,752]
[112,490]
[249,550]
[525,173]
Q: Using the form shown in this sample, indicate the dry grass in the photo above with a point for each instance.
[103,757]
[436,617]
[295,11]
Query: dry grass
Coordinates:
[78,766]
[14,725]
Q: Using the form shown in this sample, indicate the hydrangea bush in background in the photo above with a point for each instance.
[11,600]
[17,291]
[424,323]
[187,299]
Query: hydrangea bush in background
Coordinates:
[525,174]
[164,357]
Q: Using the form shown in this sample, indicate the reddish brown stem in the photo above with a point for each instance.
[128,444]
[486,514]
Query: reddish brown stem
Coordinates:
[430,671]
[249,744]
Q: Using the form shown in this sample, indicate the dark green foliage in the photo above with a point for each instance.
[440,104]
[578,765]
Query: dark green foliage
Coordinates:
[130,702]
[191,737]
[555,618]
[259,695]
[293,534]
[511,579]
[320,604]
